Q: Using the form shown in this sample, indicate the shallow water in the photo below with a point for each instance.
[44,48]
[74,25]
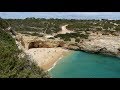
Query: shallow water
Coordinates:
[86,65]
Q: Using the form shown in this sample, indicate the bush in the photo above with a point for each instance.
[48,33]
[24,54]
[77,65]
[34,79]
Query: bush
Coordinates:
[77,40]
[34,34]
[51,38]
[11,66]
[67,36]
[3,23]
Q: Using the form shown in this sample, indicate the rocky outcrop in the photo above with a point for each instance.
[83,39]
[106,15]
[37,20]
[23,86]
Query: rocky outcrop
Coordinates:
[104,44]
[37,42]
[72,46]
[98,43]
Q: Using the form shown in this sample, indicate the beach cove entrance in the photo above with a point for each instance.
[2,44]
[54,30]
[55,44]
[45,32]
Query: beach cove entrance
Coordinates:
[86,65]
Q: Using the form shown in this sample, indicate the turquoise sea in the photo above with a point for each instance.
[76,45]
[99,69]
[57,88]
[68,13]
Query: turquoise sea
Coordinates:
[87,65]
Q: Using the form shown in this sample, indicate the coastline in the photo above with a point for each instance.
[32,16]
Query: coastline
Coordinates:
[57,60]
[47,58]
[54,64]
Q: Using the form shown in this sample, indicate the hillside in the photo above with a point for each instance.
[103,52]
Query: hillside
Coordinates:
[12,65]
[50,26]
[42,38]
[40,27]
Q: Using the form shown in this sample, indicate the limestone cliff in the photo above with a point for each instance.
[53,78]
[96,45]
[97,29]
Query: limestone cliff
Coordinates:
[96,43]
[105,44]
[38,42]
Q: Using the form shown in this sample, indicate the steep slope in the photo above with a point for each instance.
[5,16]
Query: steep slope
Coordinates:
[13,66]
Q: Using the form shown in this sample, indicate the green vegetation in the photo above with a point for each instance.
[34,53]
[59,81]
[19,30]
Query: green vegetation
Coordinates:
[117,28]
[36,34]
[68,36]
[3,23]
[51,38]
[77,40]
[47,26]
[11,65]
[32,33]
[50,26]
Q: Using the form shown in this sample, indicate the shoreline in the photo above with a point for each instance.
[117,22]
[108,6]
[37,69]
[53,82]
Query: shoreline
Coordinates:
[47,58]
[52,63]
[55,63]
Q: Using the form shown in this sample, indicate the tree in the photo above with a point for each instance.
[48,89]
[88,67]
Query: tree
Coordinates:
[77,40]
[13,66]
[4,24]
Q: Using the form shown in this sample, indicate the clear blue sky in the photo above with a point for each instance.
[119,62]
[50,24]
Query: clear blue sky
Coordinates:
[66,15]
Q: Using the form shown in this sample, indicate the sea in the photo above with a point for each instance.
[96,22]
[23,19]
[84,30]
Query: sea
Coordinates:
[81,64]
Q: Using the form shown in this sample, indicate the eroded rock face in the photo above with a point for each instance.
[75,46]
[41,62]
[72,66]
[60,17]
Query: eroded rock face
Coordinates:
[72,46]
[35,42]
[105,44]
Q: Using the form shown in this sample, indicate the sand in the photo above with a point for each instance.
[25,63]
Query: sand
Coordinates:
[47,57]
[64,30]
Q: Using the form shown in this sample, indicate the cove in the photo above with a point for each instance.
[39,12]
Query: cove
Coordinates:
[87,65]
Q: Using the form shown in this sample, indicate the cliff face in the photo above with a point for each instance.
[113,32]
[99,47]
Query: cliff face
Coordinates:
[105,44]
[96,43]
[37,42]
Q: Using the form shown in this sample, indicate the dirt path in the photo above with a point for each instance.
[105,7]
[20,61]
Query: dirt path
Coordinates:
[65,30]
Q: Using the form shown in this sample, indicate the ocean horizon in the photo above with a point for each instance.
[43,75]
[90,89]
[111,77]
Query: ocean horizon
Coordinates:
[62,15]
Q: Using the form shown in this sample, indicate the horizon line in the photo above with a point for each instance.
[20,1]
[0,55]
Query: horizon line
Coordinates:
[62,18]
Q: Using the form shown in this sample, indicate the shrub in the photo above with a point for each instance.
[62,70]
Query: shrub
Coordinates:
[11,66]
[77,40]
[51,38]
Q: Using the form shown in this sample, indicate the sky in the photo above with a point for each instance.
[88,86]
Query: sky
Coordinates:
[61,15]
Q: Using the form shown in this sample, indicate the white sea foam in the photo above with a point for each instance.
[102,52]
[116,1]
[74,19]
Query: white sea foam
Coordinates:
[55,63]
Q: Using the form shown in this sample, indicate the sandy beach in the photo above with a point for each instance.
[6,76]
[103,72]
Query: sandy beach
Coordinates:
[47,57]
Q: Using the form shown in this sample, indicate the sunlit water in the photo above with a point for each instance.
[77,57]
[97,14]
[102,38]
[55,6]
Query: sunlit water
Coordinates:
[86,65]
